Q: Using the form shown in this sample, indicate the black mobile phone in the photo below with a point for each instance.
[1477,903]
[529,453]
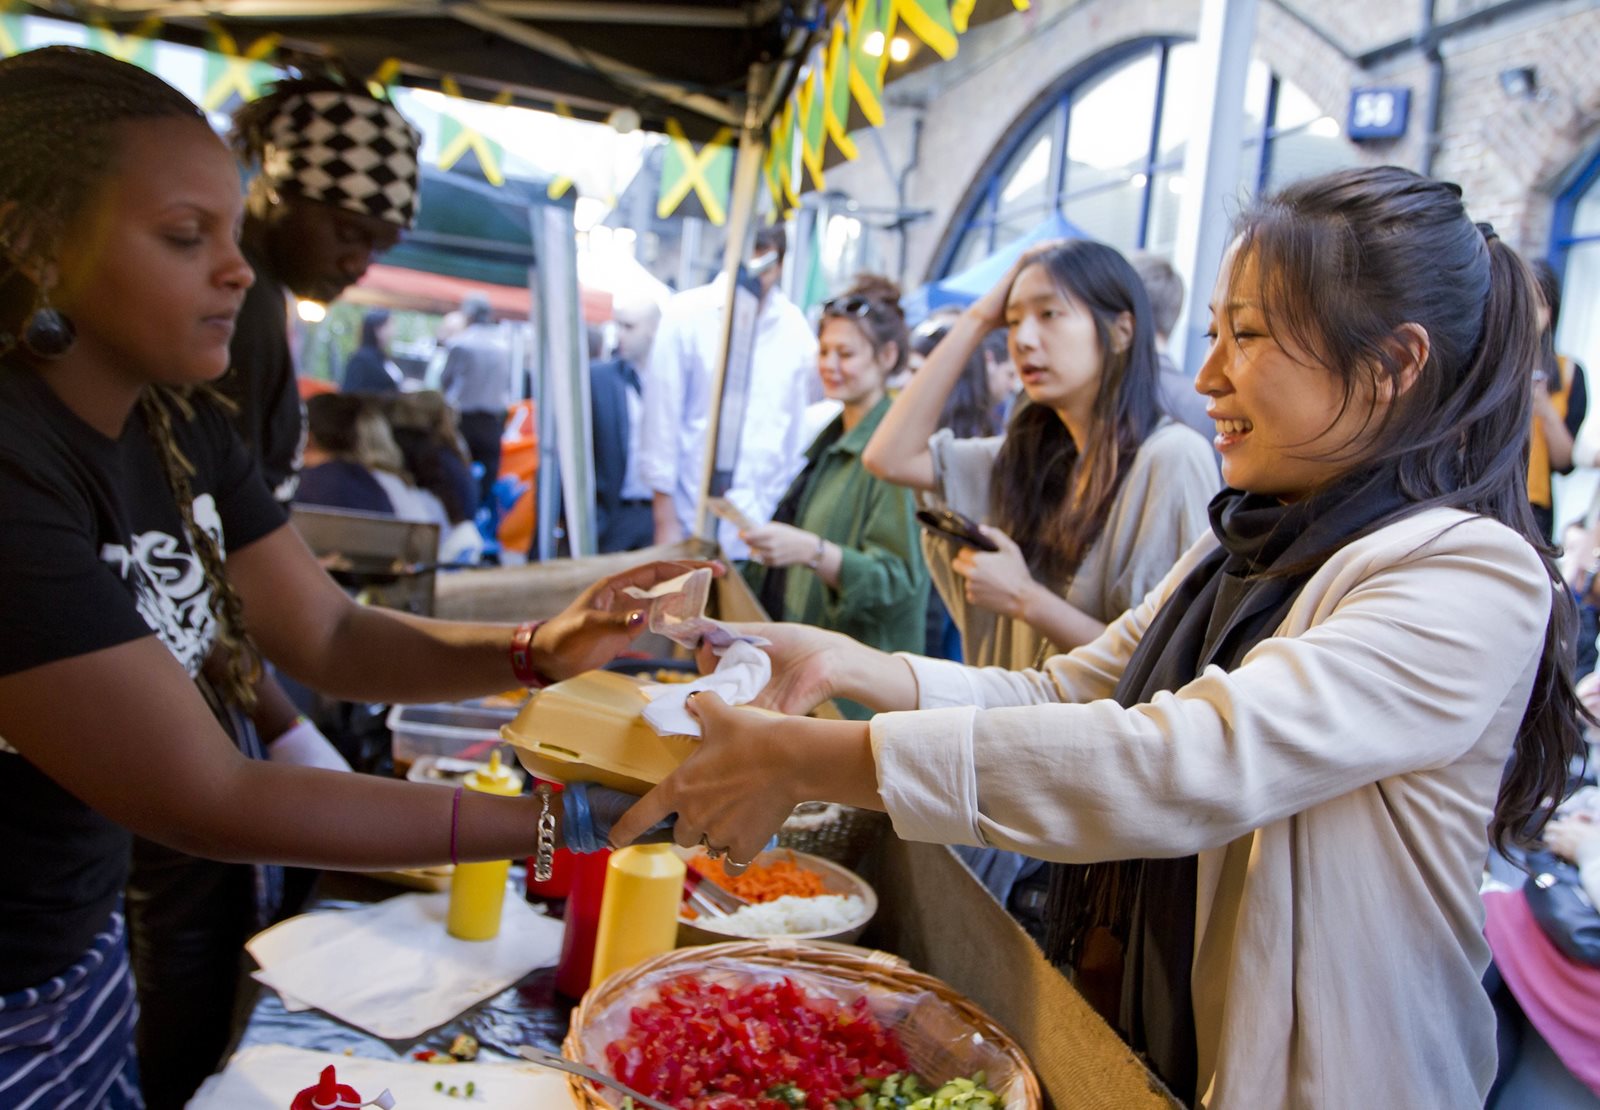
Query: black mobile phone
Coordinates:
[962,529]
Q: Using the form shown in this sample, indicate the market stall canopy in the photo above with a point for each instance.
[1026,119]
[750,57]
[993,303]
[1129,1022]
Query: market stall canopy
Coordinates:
[684,59]
[420,291]
[976,280]
[467,228]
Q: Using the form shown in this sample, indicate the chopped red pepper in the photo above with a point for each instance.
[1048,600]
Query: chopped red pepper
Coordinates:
[705,1047]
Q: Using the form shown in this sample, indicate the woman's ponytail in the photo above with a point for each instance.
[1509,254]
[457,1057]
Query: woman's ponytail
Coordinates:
[1549,740]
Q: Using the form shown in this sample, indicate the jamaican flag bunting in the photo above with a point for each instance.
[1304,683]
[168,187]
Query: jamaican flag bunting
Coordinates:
[705,175]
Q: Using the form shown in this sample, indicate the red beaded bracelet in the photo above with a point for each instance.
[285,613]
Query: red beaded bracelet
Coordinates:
[522,656]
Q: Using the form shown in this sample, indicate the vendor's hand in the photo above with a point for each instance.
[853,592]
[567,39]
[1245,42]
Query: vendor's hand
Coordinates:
[998,581]
[781,545]
[1573,838]
[602,620]
[734,790]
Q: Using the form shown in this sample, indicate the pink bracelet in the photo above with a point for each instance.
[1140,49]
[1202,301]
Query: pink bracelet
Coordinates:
[455,822]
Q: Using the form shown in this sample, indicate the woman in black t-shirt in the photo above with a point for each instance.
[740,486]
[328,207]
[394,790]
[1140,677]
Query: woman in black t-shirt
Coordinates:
[140,545]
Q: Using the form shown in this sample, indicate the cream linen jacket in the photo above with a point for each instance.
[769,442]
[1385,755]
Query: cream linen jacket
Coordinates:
[1336,786]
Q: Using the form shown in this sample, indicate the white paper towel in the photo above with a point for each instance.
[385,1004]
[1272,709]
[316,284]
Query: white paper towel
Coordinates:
[741,674]
[391,968]
[267,1077]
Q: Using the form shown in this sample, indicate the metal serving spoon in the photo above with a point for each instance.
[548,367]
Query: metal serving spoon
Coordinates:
[549,1059]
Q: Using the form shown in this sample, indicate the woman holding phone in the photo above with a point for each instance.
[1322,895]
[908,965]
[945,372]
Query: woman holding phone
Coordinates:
[841,552]
[1092,493]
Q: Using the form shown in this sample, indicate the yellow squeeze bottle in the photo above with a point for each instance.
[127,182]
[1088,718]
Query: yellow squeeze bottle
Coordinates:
[639,911]
[478,890]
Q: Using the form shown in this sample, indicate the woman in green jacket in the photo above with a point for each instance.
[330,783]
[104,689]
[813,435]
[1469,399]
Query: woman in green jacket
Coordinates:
[841,551]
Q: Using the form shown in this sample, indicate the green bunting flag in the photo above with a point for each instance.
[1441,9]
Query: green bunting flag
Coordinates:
[456,139]
[813,129]
[836,88]
[869,18]
[10,35]
[233,75]
[707,173]
[137,47]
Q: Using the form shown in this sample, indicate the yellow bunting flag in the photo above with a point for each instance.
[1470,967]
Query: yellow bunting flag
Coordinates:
[812,130]
[930,21]
[231,72]
[456,139]
[836,88]
[707,173]
[871,24]
[137,47]
[385,77]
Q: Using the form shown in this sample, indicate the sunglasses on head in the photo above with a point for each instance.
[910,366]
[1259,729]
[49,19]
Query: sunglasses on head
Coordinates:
[855,305]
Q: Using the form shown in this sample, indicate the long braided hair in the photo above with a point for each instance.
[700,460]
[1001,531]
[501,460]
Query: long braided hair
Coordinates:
[60,108]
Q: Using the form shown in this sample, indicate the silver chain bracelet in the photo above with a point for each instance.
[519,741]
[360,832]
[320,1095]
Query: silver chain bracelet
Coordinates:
[545,854]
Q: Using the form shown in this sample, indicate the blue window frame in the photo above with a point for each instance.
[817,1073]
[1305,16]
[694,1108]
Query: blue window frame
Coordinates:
[1106,150]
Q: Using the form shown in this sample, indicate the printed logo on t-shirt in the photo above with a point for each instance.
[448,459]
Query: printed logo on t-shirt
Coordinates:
[169,586]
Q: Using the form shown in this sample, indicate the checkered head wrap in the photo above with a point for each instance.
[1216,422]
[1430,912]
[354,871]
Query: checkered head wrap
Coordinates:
[348,150]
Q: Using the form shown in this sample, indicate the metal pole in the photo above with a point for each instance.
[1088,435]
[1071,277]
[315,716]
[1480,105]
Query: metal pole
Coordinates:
[741,206]
[1211,165]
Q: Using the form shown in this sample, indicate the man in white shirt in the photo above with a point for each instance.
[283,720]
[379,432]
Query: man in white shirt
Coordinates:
[677,402]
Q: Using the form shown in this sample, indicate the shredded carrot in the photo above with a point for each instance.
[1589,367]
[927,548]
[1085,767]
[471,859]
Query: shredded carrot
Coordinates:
[765,882]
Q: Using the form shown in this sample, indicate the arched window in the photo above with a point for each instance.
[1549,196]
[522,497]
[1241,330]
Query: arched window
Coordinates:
[1575,252]
[1108,154]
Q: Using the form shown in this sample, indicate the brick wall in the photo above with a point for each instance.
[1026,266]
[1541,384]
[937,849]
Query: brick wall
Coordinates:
[1509,155]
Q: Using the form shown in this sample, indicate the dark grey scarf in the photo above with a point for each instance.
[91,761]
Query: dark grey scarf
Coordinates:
[1230,602]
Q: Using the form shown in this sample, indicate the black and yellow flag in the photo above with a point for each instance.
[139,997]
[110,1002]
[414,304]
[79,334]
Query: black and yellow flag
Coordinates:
[233,75]
[457,139]
[137,47]
[704,176]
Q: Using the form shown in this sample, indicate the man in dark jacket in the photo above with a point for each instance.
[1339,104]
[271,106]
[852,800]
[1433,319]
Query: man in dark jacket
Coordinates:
[622,501]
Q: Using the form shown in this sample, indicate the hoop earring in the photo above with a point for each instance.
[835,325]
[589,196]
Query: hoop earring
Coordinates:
[48,334]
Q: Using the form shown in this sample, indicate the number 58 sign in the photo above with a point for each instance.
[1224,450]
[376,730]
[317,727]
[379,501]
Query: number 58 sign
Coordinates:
[1378,112]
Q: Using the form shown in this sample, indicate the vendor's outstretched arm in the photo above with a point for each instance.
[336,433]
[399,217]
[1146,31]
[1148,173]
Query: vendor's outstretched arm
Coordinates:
[304,623]
[125,730]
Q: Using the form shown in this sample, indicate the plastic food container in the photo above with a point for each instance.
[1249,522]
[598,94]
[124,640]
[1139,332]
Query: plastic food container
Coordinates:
[467,730]
[590,729]
[835,880]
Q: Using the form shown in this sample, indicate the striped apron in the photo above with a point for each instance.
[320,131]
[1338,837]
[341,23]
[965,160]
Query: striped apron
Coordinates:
[69,1042]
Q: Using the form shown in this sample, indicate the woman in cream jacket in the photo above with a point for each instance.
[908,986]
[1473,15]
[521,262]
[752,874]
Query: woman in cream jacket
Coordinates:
[1284,766]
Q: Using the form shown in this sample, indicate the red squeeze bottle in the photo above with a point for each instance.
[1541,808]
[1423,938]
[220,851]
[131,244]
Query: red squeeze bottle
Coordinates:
[329,1094]
[559,885]
[583,922]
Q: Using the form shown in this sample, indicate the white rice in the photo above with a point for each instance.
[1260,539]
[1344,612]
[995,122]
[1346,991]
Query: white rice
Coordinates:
[786,916]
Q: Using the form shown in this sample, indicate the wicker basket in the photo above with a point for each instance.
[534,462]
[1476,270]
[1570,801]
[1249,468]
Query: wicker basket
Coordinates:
[944,1034]
[839,833]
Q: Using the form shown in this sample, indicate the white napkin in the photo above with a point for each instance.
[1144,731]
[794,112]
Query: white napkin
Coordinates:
[267,1077]
[741,674]
[391,968]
